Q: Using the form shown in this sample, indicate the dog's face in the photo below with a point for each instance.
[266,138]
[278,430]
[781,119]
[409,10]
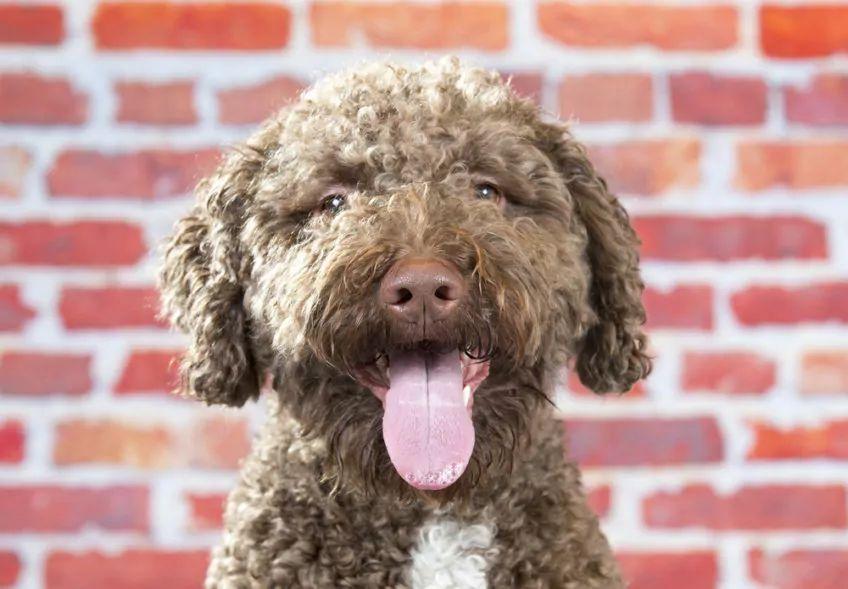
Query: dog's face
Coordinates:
[411,254]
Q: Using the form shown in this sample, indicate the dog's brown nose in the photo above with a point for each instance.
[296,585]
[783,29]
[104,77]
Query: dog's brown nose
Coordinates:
[417,289]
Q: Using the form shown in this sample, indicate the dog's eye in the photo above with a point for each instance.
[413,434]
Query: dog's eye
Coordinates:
[333,203]
[488,191]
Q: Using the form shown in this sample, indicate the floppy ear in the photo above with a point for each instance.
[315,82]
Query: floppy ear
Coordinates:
[202,281]
[611,356]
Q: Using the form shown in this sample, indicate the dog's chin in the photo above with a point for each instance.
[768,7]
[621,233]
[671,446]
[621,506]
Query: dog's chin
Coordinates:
[427,395]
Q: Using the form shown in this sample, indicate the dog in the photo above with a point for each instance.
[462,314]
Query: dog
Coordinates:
[403,260]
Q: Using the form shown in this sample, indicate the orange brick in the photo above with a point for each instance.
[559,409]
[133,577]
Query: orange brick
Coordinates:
[14,166]
[127,569]
[828,440]
[170,103]
[650,166]
[445,25]
[149,371]
[825,372]
[803,31]
[818,568]
[727,372]
[654,570]
[593,98]
[24,24]
[218,443]
[112,442]
[206,511]
[791,164]
[30,99]
[611,24]
[252,104]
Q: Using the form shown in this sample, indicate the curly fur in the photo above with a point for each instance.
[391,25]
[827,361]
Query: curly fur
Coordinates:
[265,285]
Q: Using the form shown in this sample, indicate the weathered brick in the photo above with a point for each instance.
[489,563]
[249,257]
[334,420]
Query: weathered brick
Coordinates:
[688,306]
[599,499]
[10,568]
[252,104]
[146,568]
[446,25]
[818,568]
[14,312]
[191,25]
[12,440]
[14,167]
[66,509]
[824,372]
[26,24]
[79,441]
[643,442]
[800,31]
[656,570]
[706,99]
[170,103]
[111,307]
[827,440]
[30,99]
[149,174]
[529,84]
[612,24]
[763,507]
[792,164]
[689,239]
[592,98]
[776,305]
[206,511]
[39,373]
[824,101]
[733,372]
[149,371]
[217,442]
[648,166]
[75,243]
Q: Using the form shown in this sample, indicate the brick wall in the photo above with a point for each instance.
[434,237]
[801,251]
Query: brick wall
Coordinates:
[724,126]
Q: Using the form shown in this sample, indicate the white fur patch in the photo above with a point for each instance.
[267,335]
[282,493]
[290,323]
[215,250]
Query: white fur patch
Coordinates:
[452,556]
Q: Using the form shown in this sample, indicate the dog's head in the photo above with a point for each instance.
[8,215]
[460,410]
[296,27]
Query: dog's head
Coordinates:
[411,253]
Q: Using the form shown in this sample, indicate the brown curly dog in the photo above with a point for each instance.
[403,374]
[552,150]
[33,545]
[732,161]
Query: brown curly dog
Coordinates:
[407,256]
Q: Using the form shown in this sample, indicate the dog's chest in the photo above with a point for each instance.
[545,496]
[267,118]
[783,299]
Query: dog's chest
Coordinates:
[450,555]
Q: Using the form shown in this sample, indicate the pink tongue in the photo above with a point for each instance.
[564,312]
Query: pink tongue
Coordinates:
[426,425]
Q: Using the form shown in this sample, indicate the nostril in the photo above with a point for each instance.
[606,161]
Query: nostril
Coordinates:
[445,293]
[404,295]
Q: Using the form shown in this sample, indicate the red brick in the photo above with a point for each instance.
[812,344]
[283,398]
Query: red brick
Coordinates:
[75,243]
[682,307]
[252,104]
[526,83]
[14,313]
[128,569]
[764,507]
[649,166]
[593,98]
[655,570]
[828,440]
[727,372]
[575,387]
[824,101]
[643,442]
[31,99]
[11,441]
[40,373]
[693,239]
[446,25]
[51,508]
[824,371]
[14,167]
[800,569]
[706,99]
[80,441]
[23,24]
[149,371]
[113,307]
[599,499]
[206,511]
[795,164]
[803,31]
[191,25]
[217,443]
[613,24]
[10,568]
[775,305]
[149,174]
[171,103]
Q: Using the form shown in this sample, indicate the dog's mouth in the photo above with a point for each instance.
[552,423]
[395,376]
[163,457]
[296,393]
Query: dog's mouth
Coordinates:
[427,395]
